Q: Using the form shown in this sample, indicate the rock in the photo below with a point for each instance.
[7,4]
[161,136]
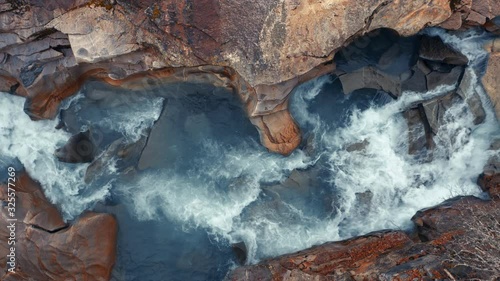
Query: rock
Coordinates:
[434,49]
[436,79]
[419,132]
[45,245]
[470,13]
[37,211]
[370,77]
[490,182]
[491,82]
[435,109]
[454,22]
[240,250]
[493,25]
[468,92]
[393,255]
[78,149]
[357,146]
[417,81]
[128,153]
[278,132]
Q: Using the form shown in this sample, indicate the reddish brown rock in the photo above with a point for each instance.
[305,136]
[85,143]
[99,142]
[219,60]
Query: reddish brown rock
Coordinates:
[278,131]
[458,241]
[48,249]
[467,13]
[48,49]
[490,80]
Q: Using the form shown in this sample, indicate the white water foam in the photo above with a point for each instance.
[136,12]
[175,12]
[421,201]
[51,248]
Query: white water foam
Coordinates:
[397,184]
[34,142]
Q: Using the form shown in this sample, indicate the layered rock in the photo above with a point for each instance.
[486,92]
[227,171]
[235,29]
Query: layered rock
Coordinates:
[48,49]
[46,247]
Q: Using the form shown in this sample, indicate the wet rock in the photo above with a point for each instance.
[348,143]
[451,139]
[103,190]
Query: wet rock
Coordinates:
[392,255]
[324,262]
[45,246]
[128,153]
[435,110]
[436,79]
[417,82]
[493,25]
[37,211]
[79,149]
[434,49]
[372,78]
[467,90]
[489,180]
[240,250]
[419,132]
[357,146]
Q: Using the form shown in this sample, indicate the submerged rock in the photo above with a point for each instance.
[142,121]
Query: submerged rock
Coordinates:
[47,248]
[241,252]
[435,110]
[79,149]
[419,132]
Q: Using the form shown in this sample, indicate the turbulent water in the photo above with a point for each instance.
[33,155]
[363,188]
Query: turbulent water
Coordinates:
[204,182]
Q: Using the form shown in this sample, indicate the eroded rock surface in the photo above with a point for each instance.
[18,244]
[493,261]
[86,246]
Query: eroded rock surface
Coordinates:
[48,49]
[47,248]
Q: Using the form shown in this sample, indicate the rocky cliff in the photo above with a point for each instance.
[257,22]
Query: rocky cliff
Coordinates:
[261,49]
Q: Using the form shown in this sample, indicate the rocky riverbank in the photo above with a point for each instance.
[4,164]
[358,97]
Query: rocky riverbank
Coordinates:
[46,247]
[261,49]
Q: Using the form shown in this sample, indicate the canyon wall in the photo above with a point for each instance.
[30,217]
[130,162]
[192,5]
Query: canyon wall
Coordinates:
[265,48]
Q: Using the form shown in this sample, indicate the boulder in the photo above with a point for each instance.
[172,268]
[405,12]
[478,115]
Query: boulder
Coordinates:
[436,78]
[435,109]
[278,132]
[419,132]
[49,249]
[79,149]
[417,82]
[434,49]
[467,90]
[372,78]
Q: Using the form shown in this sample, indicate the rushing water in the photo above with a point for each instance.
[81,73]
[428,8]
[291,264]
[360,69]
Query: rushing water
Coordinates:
[200,181]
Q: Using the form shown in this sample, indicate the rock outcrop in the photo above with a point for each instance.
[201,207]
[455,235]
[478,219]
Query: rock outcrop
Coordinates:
[49,249]
[490,80]
[49,49]
[457,240]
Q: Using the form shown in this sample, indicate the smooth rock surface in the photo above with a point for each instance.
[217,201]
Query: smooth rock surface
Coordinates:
[49,249]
